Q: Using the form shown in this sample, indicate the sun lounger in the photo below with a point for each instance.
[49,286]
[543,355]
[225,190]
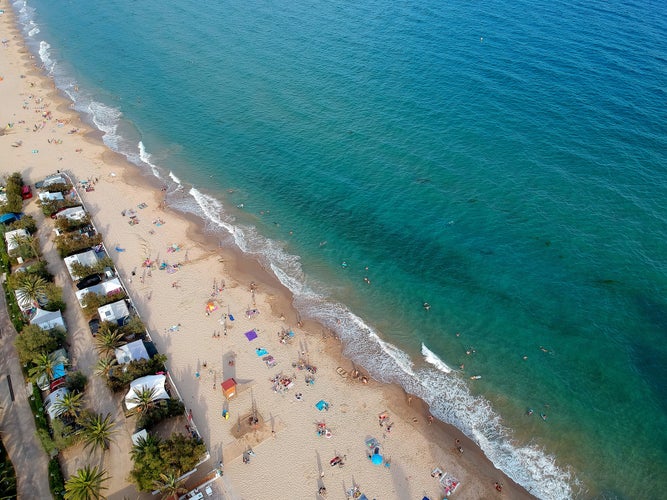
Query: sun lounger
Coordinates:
[342,372]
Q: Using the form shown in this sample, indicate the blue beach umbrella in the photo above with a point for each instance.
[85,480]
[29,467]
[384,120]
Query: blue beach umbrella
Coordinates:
[376,459]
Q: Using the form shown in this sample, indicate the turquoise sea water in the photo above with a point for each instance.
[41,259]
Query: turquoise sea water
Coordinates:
[504,162]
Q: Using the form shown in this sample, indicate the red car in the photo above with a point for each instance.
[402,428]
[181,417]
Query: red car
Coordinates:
[26,192]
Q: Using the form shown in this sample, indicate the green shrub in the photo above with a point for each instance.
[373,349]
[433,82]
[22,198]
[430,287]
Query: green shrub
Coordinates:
[76,381]
[165,409]
[26,222]
[56,480]
[34,341]
[65,225]
[121,375]
[175,455]
[7,475]
[92,301]
[69,244]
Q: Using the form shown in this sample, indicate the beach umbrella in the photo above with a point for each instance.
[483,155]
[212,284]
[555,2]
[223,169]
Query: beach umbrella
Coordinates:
[376,459]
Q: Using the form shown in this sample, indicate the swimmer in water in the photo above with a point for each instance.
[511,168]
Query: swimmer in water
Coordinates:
[427,306]
[529,411]
[544,416]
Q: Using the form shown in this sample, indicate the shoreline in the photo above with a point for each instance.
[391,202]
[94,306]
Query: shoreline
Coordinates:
[477,473]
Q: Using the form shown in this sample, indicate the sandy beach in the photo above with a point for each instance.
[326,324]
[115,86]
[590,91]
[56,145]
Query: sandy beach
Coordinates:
[186,308]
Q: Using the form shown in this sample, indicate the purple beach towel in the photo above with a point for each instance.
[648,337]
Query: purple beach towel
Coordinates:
[251,335]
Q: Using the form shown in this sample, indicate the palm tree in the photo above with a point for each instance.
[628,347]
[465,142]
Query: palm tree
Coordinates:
[31,288]
[105,365]
[170,485]
[108,339]
[97,431]
[144,398]
[70,404]
[45,365]
[144,444]
[26,246]
[86,484]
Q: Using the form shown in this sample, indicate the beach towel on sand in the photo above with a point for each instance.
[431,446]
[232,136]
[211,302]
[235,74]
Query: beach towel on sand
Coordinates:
[261,351]
[251,335]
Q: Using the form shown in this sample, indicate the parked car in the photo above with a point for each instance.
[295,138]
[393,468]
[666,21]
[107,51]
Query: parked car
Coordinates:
[90,280]
[26,192]
[94,325]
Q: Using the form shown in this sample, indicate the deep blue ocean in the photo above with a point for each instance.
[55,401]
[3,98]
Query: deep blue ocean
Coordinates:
[505,162]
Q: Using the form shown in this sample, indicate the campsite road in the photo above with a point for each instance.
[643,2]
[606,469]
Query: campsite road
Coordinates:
[17,425]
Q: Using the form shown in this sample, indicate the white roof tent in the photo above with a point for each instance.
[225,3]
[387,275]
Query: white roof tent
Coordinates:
[11,238]
[48,320]
[105,288]
[72,213]
[88,258]
[156,382]
[46,196]
[116,312]
[133,351]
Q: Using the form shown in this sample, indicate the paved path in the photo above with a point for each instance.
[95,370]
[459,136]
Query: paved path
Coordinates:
[17,424]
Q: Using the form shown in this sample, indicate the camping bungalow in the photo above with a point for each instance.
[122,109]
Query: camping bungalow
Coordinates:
[116,312]
[88,258]
[106,288]
[13,237]
[48,320]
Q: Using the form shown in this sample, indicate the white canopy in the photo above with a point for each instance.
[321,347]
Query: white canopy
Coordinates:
[151,381]
[131,352]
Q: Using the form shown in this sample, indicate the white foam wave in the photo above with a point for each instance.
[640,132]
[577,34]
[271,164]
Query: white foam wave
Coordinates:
[45,56]
[106,118]
[145,157]
[430,357]
[447,395]
[33,31]
[175,179]
[211,209]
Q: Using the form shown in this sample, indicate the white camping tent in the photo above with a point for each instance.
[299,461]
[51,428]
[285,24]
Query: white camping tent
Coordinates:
[131,352]
[151,381]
